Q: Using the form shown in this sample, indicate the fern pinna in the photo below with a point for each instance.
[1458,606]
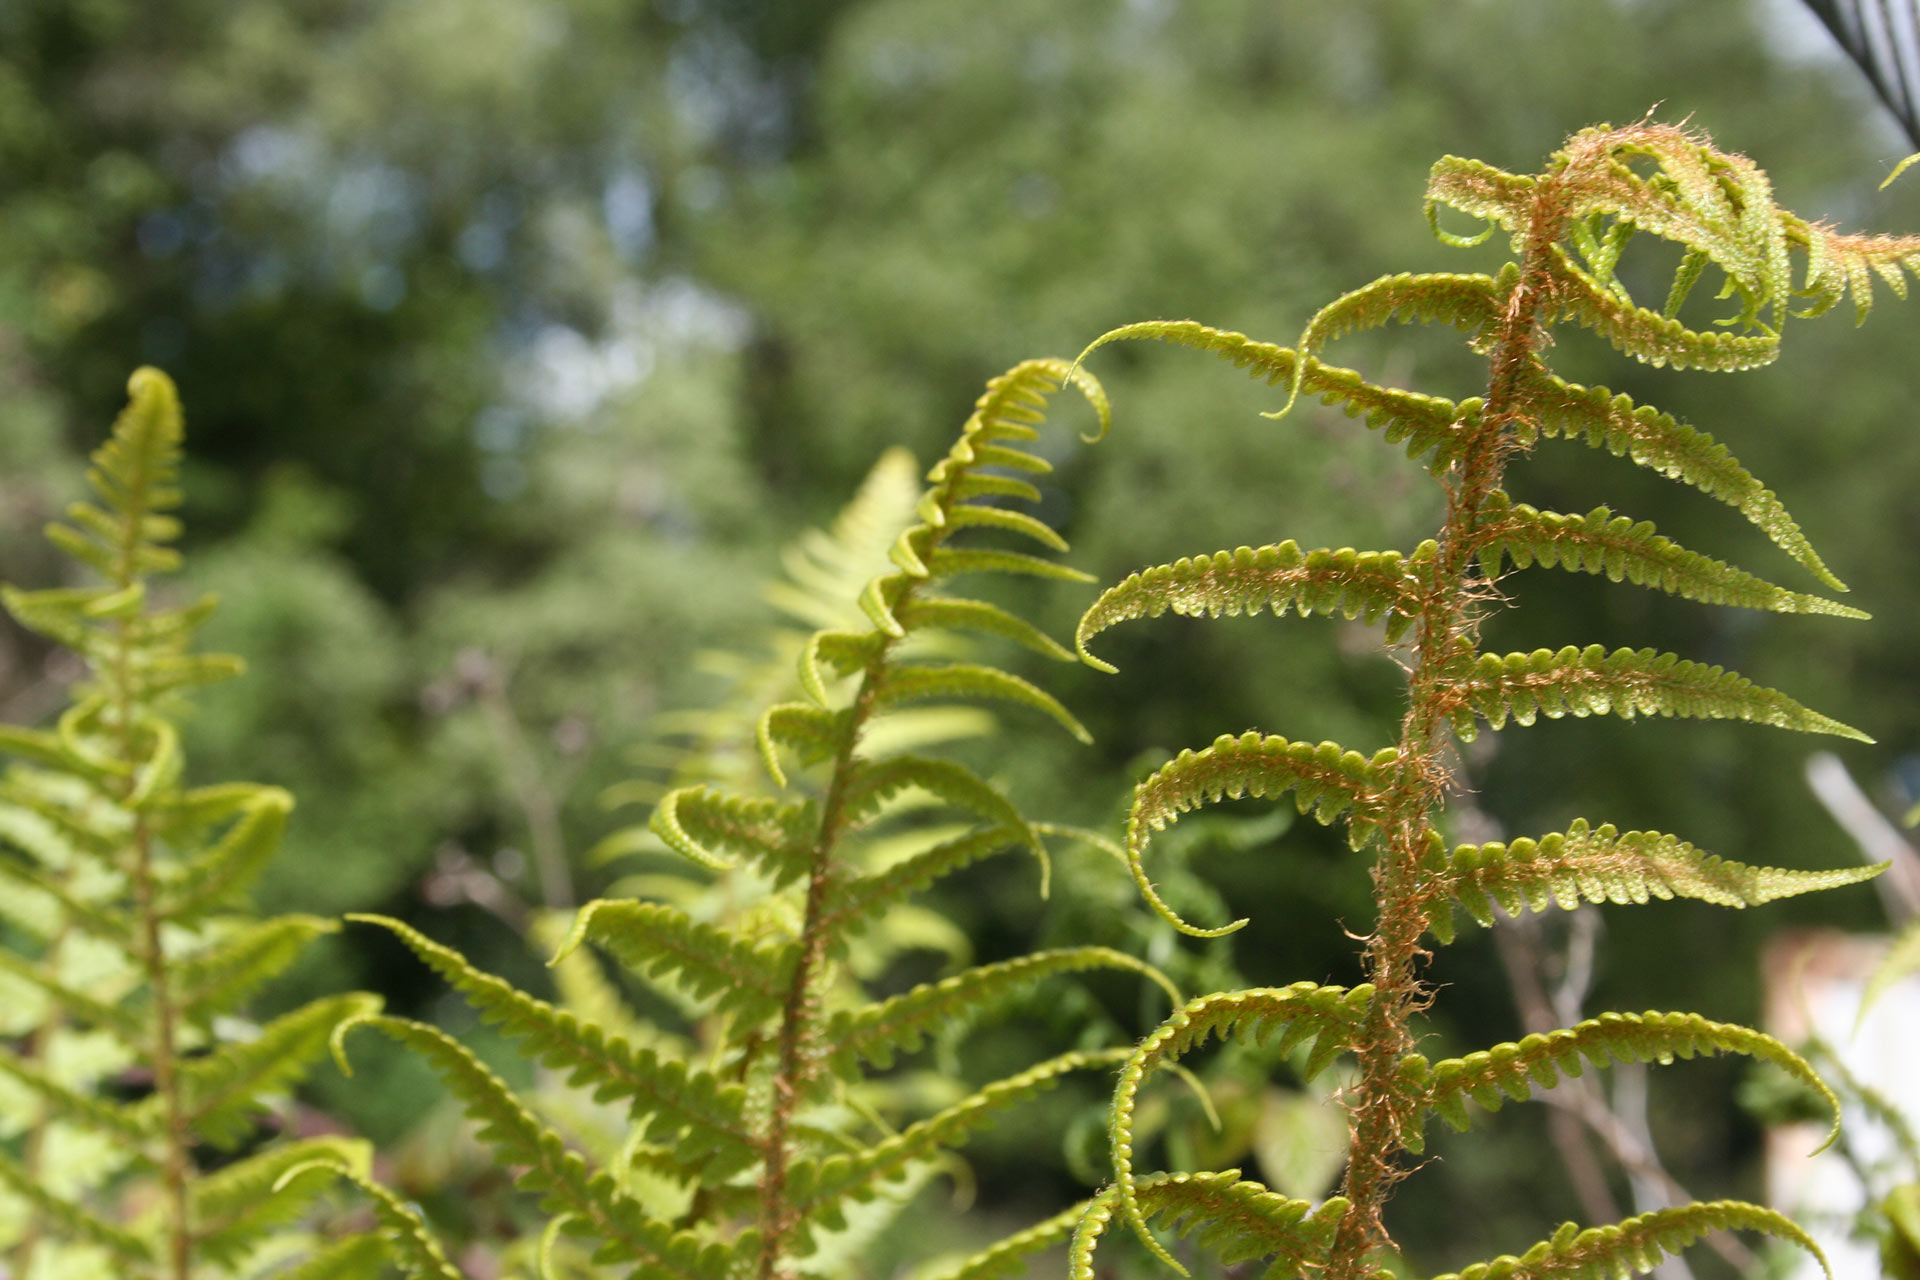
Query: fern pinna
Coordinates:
[126,957]
[751,1142]
[1568,226]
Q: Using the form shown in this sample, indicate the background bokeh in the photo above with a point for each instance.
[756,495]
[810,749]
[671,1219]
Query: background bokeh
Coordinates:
[516,336]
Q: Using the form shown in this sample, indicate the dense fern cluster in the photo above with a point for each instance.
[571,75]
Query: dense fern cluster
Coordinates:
[127,1076]
[1567,227]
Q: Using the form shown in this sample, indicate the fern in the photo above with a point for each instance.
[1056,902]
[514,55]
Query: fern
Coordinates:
[128,947]
[1568,227]
[749,1117]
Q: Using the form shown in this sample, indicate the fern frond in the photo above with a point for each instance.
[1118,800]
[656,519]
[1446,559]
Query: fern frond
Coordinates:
[1603,864]
[1655,440]
[1480,191]
[220,1090]
[1601,542]
[362,1257]
[917,682]
[1636,1246]
[1329,1016]
[1626,683]
[1007,1259]
[409,1245]
[705,962]
[814,733]
[939,613]
[124,1022]
[707,825]
[557,1175]
[136,474]
[236,1207]
[874,1034]
[701,1117]
[851,904]
[133,1123]
[1325,779]
[1647,335]
[1236,1220]
[816,1187]
[221,977]
[1355,584]
[1840,264]
[1470,303]
[213,877]
[1424,422]
[72,1219]
[870,784]
[1510,1070]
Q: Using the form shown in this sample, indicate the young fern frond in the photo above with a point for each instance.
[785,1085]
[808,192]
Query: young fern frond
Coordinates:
[1568,227]
[766,1121]
[126,898]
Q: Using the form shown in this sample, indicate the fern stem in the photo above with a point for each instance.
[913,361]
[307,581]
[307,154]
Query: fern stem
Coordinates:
[800,1014]
[176,1169]
[1448,622]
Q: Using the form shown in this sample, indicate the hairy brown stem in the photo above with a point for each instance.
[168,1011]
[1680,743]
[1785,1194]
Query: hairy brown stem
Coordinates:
[1448,618]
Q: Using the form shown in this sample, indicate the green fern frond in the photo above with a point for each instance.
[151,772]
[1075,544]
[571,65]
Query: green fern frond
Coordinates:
[852,904]
[73,1220]
[1007,1259]
[557,1175]
[409,1245]
[1329,1016]
[1355,584]
[1655,440]
[1840,264]
[1626,683]
[689,1108]
[1470,303]
[1425,423]
[705,962]
[1478,190]
[1326,780]
[1637,1246]
[1647,335]
[362,1257]
[1510,1070]
[812,732]
[1603,864]
[237,1206]
[136,474]
[123,1021]
[222,976]
[220,1090]
[918,682]
[707,825]
[870,784]
[1601,542]
[874,1034]
[816,1187]
[132,1123]
[214,877]
[1236,1220]
[938,613]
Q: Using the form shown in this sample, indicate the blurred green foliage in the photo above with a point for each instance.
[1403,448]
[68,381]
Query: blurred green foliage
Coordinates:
[518,335]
